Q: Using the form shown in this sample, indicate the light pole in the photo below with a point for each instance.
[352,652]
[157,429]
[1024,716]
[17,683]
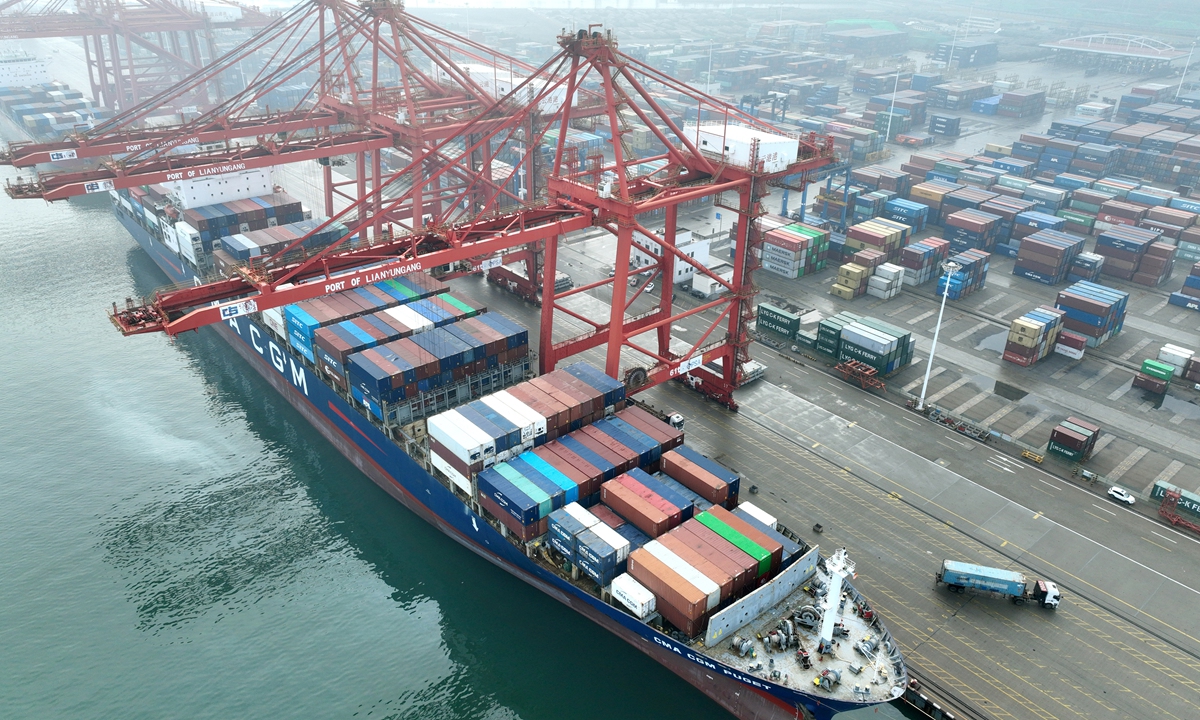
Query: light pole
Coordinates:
[950,267]
[892,108]
[1186,65]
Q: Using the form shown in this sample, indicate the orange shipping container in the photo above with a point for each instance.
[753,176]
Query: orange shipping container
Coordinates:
[668,586]
[695,478]
[706,567]
[627,504]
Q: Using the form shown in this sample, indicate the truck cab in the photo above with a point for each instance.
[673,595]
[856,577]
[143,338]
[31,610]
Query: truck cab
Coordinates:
[1047,594]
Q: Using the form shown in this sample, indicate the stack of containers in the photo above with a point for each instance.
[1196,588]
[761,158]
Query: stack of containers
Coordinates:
[1057,156]
[654,513]
[829,331]
[1071,344]
[1048,199]
[714,484]
[851,281]
[870,205]
[333,345]
[1095,311]
[1156,265]
[922,260]
[971,230]
[971,276]
[777,320]
[876,343]
[931,193]
[1116,212]
[1177,357]
[1033,336]
[406,368]
[1022,103]
[305,318]
[1169,221]
[818,247]
[1086,266]
[1155,376]
[783,253]
[968,198]
[869,259]
[1047,256]
[1124,247]
[1073,439]
[1189,244]
[1030,222]
[885,236]
[1191,371]
[944,125]
[1189,295]
[1007,209]
[913,214]
[887,281]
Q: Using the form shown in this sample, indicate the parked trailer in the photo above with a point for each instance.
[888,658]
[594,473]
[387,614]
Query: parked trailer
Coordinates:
[960,577]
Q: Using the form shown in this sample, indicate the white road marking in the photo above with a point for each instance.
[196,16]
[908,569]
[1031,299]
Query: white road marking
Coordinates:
[1164,537]
[1110,512]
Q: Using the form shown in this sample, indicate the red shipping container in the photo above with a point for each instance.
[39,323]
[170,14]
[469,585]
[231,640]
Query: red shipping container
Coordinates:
[637,510]
[695,478]
[668,586]
[706,567]
[607,516]
[674,514]
[587,476]
[628,457]
[737,569]
[1016,359]
[524,532]
[665,435]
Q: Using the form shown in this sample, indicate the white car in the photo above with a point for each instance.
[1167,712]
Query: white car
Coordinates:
[650,288]
[1120,495]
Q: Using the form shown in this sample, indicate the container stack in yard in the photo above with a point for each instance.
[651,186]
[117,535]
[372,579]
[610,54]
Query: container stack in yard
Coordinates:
[887,281]
[922,260]
[1154,376]
[946,125]
[1128,249]
[1086,266]
[777,320]
[971,275]
[851,281]
[970,229]
[1188,296]
[1047,256]
[913,214]
[1092,310]
[1073,439]
[1033,336]
[848,336]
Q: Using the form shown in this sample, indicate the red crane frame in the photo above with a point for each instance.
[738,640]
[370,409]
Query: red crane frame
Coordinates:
[454,216]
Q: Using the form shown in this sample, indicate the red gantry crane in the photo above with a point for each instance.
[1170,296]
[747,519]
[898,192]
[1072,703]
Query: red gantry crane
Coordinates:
[133,49]
[451,206]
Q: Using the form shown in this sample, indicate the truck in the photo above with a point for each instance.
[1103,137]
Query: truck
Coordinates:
[960,577]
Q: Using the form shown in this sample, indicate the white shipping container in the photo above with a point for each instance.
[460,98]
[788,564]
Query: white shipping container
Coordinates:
[538,420]
[273,318]
[610,536]
[467,442]
[411,318]
[633,595]
[881,284]
[760,515]
[582,514]
[888,271]
[702,583]
[512,415]
[1073,353]
[449,471]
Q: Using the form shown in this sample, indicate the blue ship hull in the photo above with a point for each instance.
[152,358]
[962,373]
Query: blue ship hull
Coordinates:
[380,459]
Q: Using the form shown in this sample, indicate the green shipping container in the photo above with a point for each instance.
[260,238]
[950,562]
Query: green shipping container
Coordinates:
[1065,452]
[1189,502]
[738,540]
[806,339]
[1157,369]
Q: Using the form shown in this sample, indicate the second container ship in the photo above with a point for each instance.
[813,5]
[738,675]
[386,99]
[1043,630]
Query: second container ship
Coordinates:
[560,479]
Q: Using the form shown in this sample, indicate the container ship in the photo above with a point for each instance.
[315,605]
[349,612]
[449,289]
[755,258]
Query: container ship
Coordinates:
[560,479]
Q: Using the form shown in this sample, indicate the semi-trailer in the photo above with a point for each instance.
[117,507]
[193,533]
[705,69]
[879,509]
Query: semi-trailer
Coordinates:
[960,577]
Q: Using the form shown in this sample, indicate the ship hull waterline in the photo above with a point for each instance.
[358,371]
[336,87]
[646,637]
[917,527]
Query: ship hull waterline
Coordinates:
[389,467]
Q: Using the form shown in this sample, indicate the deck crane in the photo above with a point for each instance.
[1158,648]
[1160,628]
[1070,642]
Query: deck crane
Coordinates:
[453,214]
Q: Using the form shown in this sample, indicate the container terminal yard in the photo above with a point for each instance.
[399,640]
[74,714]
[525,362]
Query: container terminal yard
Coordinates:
[932,303]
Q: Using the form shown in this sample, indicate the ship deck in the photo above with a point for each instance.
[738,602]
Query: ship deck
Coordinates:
[862,678]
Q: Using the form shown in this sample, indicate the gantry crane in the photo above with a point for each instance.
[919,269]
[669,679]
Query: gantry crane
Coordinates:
[132,48]
[449,207]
